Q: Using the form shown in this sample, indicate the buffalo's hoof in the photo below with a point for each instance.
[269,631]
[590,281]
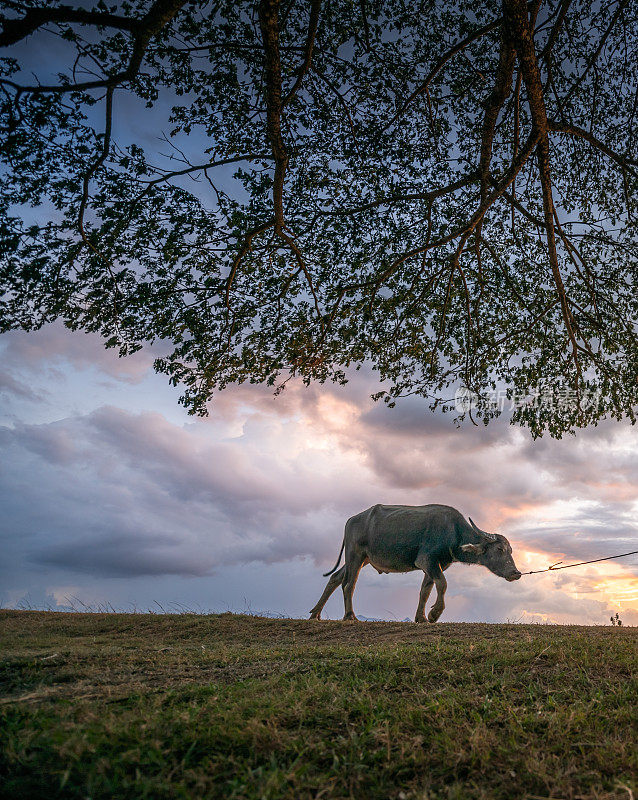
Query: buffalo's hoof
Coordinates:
[420,619]
[350,618]
[433,616]
[315,615]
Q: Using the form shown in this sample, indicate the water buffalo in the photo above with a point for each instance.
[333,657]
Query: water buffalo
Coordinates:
[406,538]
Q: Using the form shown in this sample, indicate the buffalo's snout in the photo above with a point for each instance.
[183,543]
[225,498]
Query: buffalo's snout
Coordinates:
[513,576]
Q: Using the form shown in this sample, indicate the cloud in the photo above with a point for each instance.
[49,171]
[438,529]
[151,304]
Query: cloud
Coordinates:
[54,345]
[125,554]
[11,386]
[135,494]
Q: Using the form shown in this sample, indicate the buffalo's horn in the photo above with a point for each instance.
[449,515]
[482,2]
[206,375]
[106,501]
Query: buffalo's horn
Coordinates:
[480,532]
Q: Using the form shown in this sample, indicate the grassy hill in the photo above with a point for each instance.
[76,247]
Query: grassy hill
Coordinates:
[225,706]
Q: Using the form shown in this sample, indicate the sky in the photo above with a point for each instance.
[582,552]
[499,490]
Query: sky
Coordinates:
[113,496]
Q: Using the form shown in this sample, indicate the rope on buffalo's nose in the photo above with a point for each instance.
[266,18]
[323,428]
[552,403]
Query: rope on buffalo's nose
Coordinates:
[578,564]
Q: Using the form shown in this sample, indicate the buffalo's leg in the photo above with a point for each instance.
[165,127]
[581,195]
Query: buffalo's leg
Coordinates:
[426,588]
[353,567]
[335,581]
[441,586]
[434,571]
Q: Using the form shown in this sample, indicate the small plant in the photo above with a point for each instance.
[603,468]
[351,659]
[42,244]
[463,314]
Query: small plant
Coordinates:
[615,620]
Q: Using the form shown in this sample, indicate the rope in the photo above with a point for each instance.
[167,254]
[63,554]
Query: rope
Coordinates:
[578,564]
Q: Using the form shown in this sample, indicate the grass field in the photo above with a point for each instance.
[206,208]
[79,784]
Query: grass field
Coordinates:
[225,706]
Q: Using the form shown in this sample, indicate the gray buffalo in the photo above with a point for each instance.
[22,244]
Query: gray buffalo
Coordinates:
[406,538]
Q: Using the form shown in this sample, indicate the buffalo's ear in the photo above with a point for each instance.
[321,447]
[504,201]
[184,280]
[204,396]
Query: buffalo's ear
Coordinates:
[476,549]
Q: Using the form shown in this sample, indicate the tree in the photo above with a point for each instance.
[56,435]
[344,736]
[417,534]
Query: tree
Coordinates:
[445,190]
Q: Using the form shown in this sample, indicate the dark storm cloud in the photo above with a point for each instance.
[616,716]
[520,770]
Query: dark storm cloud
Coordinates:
[125,554]
[412,417]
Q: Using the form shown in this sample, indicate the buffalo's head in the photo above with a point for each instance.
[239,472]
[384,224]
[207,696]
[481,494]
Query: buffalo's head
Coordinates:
[494,552]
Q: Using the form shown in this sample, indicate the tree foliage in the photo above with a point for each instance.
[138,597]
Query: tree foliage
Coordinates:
[445,190]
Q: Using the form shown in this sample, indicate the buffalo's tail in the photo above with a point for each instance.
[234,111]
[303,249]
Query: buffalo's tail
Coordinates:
[343,544]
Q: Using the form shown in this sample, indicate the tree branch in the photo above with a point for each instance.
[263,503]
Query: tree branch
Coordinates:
[158,16]
[594,57]
[553,36]
[423,87]
[466,180]
[315,8]
[518,20]
[469,226]
[493,105]
[626,164]
[269,24]
[14,30]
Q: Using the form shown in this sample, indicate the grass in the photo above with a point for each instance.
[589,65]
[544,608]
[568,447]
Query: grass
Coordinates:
[226,706]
